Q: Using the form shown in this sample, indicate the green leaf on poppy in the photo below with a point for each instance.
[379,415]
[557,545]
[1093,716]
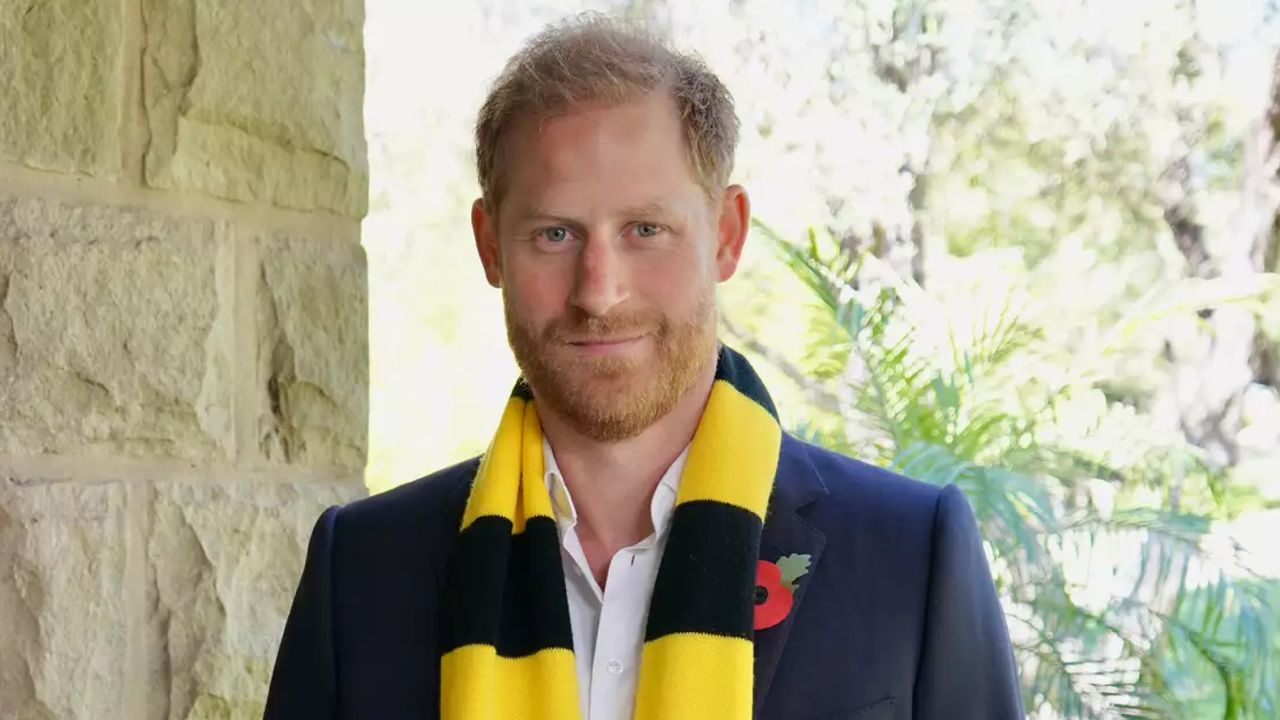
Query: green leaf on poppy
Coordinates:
[793,568]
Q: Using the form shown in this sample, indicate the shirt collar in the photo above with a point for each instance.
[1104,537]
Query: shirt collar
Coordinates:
[660,508]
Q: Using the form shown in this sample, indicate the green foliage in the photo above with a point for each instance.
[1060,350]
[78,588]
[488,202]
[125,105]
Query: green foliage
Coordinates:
[1117,607]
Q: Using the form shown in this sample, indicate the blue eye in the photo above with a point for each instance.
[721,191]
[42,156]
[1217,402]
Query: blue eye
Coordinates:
[556,235]
[647,230]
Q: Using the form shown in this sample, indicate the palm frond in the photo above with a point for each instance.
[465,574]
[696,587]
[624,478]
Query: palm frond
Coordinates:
[1090,645]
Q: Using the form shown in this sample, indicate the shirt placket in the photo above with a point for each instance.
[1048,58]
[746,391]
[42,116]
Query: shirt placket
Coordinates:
[617,649]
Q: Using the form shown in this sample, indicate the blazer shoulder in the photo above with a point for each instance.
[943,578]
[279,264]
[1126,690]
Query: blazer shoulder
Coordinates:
[430,502]
[844,474]
[849,480]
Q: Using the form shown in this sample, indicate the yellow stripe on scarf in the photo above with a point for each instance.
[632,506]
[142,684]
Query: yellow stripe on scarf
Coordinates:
[694,676]
[476,683]
[734,453]
[516,451]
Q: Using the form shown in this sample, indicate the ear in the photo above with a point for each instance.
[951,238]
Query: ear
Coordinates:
[485,230]
[731,233]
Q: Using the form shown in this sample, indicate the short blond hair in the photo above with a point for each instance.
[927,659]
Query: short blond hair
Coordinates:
[594,59]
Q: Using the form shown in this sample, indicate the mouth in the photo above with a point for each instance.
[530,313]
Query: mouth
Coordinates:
[594,346]
[604,341]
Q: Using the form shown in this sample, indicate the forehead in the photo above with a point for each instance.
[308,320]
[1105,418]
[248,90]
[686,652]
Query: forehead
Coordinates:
[598,157]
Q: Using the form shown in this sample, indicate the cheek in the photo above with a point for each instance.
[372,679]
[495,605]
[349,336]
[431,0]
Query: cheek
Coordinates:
[676,281]
[536,296]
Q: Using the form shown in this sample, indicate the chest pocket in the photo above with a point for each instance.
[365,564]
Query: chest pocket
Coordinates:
[880,710]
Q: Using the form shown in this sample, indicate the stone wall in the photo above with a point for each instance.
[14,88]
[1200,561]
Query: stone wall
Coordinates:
[183,341]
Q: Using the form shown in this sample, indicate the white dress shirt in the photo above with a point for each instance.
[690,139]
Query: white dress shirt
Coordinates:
[608,625]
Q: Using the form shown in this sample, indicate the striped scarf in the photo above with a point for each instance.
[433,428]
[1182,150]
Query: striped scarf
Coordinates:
[507,646]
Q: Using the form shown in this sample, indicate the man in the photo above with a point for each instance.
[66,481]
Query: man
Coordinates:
[641,539]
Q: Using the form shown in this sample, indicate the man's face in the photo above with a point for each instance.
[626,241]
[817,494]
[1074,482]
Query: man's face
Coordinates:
[608,252]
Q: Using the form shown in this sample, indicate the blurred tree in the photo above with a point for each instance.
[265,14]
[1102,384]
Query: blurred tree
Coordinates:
[1098,143]
[1266,347]
[1212,365]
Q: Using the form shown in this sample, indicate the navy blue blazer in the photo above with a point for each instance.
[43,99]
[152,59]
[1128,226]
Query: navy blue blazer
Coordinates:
[897,617]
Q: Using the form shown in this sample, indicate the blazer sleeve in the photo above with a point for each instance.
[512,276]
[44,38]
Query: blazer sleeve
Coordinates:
[304,682]
[967,667]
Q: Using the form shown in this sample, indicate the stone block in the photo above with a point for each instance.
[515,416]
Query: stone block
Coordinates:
[224,562]
[258,101]
[62,604]
[313,353]
[110,339]
[59,69]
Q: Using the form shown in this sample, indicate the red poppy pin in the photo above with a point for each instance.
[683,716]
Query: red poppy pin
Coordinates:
[775,587]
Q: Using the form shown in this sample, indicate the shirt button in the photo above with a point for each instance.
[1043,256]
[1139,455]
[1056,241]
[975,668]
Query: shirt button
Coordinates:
[615,667]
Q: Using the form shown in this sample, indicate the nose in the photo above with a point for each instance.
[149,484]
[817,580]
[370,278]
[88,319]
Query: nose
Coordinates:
[600,282]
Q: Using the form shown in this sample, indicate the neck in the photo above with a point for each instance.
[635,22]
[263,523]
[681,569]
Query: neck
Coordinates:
[612,484]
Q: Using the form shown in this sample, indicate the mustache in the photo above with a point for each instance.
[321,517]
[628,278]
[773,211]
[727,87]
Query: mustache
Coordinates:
[580,326]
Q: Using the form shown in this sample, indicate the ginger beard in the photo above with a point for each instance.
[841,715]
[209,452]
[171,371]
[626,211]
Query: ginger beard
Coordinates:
[609,399]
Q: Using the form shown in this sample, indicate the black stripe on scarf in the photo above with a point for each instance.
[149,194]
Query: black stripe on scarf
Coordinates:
[707,579]
[522,390]
[533,613]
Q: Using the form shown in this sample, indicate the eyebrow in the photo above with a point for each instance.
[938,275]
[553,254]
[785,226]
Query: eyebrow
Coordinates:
[649,209]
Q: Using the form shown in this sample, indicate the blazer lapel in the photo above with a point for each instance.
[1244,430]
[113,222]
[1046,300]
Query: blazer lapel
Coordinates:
[785,533]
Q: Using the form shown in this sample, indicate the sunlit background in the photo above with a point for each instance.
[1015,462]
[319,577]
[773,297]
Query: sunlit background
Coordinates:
[1028,247]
